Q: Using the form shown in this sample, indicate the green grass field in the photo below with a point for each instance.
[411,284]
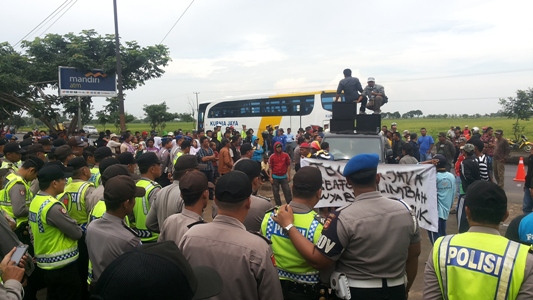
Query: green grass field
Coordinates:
[433,126]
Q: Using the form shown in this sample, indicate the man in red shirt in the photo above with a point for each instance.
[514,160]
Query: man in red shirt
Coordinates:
[280,173]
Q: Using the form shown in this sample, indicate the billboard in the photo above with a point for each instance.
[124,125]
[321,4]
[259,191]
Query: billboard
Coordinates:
[94,83]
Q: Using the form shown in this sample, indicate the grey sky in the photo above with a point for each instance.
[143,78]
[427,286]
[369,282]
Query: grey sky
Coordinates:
[436,56]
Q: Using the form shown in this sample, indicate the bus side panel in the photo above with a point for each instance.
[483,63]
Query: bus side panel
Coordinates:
[271,120]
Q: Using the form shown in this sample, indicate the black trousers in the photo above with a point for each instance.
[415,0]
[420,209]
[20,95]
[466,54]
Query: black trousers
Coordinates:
[83,267]
[210,177]
[63,284]
[384,293]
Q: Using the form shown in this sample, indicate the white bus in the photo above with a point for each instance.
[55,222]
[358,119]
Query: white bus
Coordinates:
[294,111]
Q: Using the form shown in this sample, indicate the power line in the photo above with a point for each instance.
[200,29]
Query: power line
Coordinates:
[176,22]
[59,17]
[38,25]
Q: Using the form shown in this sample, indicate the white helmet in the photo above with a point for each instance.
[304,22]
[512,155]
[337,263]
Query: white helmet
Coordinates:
[475,130]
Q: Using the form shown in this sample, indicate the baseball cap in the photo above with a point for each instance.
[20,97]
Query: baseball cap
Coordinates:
[361,162]
[249,167]
[307,179]
[132,275]
[59,142]
[35,149]
[245,148]
[233,187]
[148,159]
[34,161]
[304,145]
[126,158]
[485,194]
[441,160]
[393,124]
[498,131]
[3,141]
[107,162]
[192,184]
[13,147]
[442,134]
[102,152]
[466,126]
[114,170]
[405,132]
[113,136]
[144,133]
[26,142]
[45,142]
[10,136]
[53,171]
[186,162]
[462,139]
[468,148]
[121,188]
[81,142]
[77,163]
[371,79]
[63,152]
[186,143]
[315,145]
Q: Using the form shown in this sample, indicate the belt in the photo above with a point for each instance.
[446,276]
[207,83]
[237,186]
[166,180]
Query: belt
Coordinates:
[375,283]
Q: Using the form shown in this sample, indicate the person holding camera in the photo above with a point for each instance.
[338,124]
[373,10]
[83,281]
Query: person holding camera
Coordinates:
[372,97]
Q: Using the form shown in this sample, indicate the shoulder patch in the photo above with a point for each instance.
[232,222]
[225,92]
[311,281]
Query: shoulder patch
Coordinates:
[22,192]
[320,219]
[260,235]
[332,216]
[196,223]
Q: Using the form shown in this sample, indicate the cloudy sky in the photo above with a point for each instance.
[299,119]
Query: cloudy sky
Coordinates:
[437,56]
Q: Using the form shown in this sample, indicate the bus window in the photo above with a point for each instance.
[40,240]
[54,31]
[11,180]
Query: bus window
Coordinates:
[327,100]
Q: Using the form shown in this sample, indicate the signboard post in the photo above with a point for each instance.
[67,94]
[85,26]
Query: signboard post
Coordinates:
[416,185]
[94,83]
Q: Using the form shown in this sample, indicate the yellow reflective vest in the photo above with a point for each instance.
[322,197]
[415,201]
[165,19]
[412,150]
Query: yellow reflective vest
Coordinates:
[479,266]
[291,265]
[53,249]
[141,209]
[74,199]
[5,200]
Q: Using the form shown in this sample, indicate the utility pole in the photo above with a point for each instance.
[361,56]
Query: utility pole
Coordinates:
[119,73]
[79,113]
[197,110]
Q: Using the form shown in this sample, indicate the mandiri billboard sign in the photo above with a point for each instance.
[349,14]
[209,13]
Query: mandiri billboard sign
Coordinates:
[94,83]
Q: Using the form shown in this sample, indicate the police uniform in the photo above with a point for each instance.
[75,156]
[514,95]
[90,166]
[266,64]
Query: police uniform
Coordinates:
[177,225]
[166,203]
[12,166]
[75,199]
[142,207]
[244,260]
[369,238]
[480,264]
[95,176]
[255,216]
[92,199]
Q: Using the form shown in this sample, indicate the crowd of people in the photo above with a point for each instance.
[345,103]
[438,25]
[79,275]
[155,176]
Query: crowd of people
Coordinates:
[123,217]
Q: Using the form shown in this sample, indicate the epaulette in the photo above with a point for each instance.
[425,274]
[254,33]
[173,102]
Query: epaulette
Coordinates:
[342,208]
[196,223]
[264,198]
[320,219]
[260,235]
[271,209]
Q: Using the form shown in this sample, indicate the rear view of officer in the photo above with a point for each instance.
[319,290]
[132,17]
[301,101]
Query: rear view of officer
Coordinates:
[374,241]
[299,280]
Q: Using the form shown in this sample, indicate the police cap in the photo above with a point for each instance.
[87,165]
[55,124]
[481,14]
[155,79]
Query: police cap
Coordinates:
[249,167]
[13,147]
[77,163]
[126,158]
[233,187]
[361,162]
[102,152]
[148,159]
[53,171]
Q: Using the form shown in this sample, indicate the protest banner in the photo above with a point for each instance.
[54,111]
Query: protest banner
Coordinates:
[416,185]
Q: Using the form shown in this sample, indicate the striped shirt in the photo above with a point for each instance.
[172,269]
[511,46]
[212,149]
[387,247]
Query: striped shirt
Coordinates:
[483,167]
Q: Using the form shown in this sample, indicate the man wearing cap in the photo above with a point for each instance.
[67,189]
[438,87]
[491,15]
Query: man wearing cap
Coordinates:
[426,143]
[113,143]
[98,194]
[55,235]
[12,155]
[246,152]
[166,162]
[469,173]
[99,155]
[225,245]
[128,160]
[194,191]
[64,154]
[37,150]
[150,168]
[393,127]
[185,149]
[18,196]
[375,94]
[480,264]
[176,147]
[351,87]
[109,237]
[445,196]
[377,267]
[280,173]
[168,200]
[467,132]
[446,148]
[299,280]
[407,136]
[501,153]
[126,145]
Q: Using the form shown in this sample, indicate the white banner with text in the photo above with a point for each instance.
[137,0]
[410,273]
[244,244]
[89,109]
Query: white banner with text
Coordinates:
[416,185]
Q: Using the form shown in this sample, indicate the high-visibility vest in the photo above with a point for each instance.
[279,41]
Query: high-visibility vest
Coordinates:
[177,156]
[5,200]
[53,249]
[141,209]
[291,265]
[95,177]
[74,200]
[10,165]
[476,265]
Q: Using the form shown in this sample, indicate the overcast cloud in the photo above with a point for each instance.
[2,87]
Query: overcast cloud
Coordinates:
[436,56]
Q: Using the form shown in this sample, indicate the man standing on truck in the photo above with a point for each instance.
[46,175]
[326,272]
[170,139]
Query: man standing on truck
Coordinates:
[351,87]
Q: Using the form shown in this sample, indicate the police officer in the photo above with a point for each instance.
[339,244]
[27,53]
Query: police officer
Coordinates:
[375,240]
[150,168]
[195,194]
[258,204]
[109,237]
[109,171]
[299,280]
[12,155]
[55,235]
[99,155]
[18,196]
[98,193]
[480,264]
[244,260]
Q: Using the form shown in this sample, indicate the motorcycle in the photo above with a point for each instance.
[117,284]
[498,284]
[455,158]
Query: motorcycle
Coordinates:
[523,144]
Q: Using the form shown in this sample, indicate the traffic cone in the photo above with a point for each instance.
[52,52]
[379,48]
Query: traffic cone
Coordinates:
[520,172]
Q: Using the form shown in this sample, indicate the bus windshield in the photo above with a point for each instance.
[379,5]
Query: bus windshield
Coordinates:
[327,100]
[345,148]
